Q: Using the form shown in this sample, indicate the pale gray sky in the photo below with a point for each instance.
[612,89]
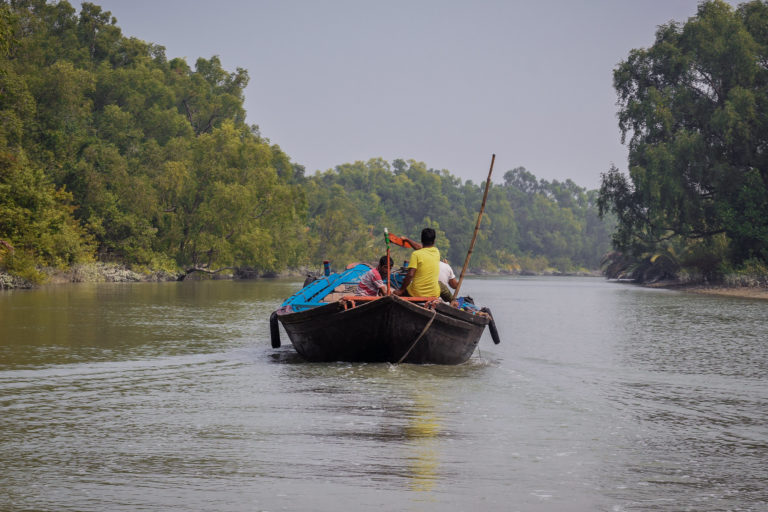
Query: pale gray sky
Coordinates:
[443,82]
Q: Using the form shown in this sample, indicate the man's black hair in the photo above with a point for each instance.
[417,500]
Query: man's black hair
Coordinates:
[428,236]
[383,262]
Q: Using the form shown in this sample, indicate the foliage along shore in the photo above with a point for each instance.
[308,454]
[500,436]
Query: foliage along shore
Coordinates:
[117,273]
[86,273]
[756,287]
[112,152]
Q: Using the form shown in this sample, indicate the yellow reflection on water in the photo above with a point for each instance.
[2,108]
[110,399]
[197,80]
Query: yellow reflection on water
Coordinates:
[422,433]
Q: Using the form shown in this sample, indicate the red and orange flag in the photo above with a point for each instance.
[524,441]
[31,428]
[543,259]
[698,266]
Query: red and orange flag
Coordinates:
[400,241]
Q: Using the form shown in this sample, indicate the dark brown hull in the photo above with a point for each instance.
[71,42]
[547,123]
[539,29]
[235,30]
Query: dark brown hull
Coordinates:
[384,330]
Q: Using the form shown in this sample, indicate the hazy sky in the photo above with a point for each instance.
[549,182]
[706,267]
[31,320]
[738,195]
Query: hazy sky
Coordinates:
[443,82]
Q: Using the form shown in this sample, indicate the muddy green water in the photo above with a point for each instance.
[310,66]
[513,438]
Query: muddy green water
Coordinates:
[602,396]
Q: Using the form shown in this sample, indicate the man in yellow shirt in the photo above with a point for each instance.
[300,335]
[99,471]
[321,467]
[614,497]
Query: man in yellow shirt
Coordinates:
[423,269]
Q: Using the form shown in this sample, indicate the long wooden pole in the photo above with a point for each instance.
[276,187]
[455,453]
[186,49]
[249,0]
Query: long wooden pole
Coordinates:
[386,237]
[477,228]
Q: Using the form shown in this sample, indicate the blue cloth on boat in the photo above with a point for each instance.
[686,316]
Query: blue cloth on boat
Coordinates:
[468,305]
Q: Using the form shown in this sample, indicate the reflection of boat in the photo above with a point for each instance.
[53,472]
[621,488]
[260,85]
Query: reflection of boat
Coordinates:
[325,321]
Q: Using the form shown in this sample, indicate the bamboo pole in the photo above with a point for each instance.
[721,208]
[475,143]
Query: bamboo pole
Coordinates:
[386,237]
[477,228]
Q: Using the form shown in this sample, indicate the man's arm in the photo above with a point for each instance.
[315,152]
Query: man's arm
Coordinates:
[416,245]
[453,283]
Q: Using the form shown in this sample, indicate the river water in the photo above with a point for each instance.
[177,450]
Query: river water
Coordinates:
[168,396]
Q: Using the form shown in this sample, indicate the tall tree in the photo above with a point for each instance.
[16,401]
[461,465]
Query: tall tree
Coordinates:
[223,204]
[695,109]
[36,222]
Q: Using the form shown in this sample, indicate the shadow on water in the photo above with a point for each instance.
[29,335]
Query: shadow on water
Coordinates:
[285,356]
[288,356]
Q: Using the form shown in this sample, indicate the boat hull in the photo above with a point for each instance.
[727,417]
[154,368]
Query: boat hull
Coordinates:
[388,329]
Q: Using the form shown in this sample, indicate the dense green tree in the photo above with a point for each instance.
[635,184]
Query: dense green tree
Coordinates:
[223,203]
[559,220]
[524,217]
[339,232]
[36,221]
[154,156]
[694,107]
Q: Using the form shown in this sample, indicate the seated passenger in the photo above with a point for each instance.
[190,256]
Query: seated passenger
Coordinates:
[447,278]
[423,269]
[374,282]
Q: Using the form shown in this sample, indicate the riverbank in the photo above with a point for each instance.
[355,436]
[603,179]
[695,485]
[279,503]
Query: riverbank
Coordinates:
[87,273]
[117,273]
[723,290]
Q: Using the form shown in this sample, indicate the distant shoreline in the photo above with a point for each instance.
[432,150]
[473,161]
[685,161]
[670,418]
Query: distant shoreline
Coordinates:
[112,273]
[722,290]
[117,273]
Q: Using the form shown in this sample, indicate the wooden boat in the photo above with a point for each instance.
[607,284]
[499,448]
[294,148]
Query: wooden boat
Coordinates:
[326,321]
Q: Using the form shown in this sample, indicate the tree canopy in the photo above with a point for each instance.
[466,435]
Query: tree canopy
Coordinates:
[528,223]
[694,108]
[106,145]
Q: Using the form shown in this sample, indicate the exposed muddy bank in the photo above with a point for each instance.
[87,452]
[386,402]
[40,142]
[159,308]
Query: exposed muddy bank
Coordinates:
[721,289]
[116,273]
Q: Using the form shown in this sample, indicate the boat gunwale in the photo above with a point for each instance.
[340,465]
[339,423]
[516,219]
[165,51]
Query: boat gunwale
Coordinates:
[447,312]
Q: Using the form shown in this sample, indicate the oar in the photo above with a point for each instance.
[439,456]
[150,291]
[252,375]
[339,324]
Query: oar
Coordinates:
[477,228]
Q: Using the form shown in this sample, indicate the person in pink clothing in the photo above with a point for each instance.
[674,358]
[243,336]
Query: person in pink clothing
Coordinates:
[374,282]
